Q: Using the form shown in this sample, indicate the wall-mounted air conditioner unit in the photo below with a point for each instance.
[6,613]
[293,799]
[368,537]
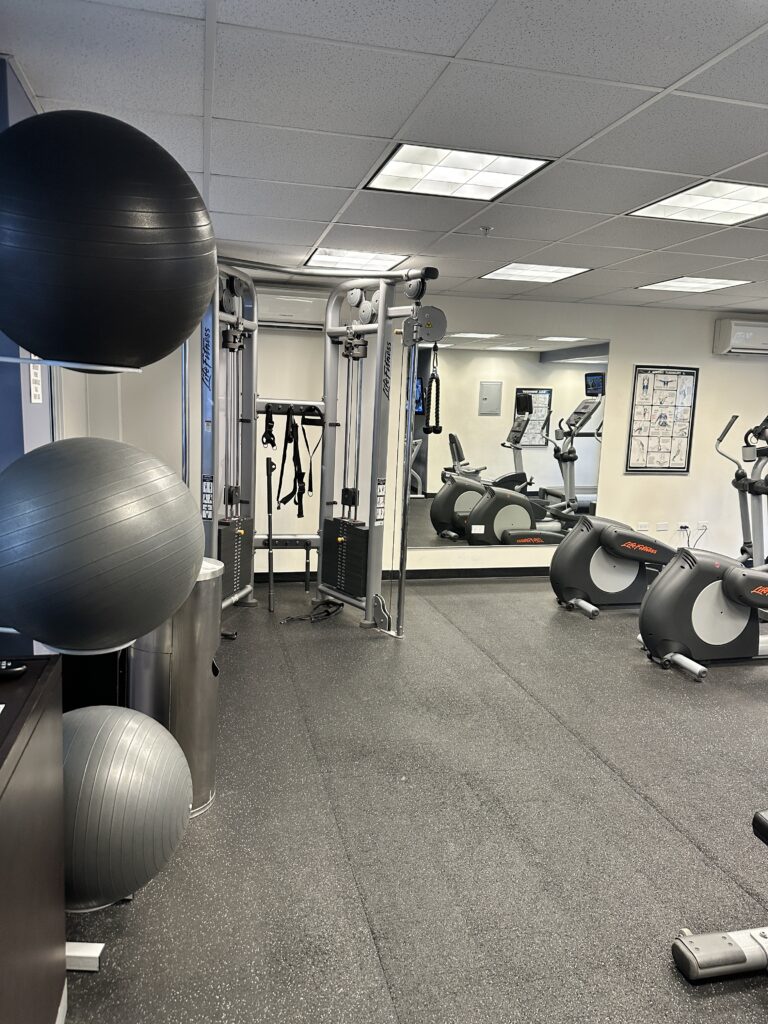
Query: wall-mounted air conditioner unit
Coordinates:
[741,337]
[287,307]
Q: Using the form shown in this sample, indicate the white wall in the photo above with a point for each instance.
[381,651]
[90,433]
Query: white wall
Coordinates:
[461,372]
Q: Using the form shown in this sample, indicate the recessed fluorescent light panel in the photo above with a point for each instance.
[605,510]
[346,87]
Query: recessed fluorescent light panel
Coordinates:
[510,348]
[472,334]
[533,272]
[352,259]
[452,172]
[560,337]
[713,202]
[691,284]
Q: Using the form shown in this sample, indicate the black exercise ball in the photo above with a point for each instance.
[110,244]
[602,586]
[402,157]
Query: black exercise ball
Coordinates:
[127,799]
[107,252]
[100,543]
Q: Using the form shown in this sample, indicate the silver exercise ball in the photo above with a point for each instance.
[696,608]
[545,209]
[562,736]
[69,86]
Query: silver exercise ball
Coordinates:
[100,543]
[127,798]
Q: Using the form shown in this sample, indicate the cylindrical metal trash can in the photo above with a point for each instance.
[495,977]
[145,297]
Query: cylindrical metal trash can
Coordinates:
[172,676]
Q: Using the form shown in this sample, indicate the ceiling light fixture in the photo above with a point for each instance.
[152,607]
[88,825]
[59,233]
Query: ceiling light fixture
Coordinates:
[452,172]
[711,202]
[472,334]
[533,272]
[691,284]
[510,348]
[353,259]
[560,337]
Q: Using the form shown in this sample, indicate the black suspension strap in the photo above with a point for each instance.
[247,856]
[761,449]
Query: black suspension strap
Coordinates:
[312,417]
[433,396]
[268,437]
[291,440]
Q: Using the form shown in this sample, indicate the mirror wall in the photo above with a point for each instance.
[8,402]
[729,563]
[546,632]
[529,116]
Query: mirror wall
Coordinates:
[481,378]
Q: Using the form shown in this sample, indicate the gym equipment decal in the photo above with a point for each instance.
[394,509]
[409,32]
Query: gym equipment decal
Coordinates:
[534,436]
[661,423]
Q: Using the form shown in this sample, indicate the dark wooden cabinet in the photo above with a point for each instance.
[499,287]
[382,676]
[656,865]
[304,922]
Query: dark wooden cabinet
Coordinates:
[32,943]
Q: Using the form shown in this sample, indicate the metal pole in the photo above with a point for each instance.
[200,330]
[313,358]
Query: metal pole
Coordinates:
[410,396]
[185,412]
[358,431]
[270,549]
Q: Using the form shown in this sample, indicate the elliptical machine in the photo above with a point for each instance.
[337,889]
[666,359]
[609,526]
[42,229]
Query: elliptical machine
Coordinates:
[724,954]
[498,519]
[463,487]
[603,563]
[706,607]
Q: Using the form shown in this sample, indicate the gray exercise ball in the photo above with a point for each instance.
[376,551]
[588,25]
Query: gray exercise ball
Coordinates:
[100,543]
[127,798]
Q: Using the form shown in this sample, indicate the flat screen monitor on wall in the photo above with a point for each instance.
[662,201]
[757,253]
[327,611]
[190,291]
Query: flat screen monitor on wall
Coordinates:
[594,384]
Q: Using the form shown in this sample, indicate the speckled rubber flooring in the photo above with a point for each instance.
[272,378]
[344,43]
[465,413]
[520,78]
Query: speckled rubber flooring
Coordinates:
[504,818]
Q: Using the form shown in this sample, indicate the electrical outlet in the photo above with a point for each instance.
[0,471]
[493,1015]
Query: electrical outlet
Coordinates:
[642,527]
[683,526]
[662,527]
[702,525]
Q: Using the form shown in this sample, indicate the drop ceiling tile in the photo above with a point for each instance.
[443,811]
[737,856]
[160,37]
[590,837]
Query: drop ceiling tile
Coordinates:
[653,43]
[445,285]
[758,306]
[629,297]
[275,199]
[642,233]
[283,154]
[754,172]
[181,135]
[514,112]
[673,264]
[452,267]
[281,255]
[266,231]
[736,242]
[760,223]
[183,8]
[585,286]
[708,301]
[424,28]
[302,83]
[744,270]
[753,270]
[87,53]
[348,236]
[680,133]
[741,76]
[423,213]
[564,254]
[477,247]
[510,221]
[596,189]
[495,289]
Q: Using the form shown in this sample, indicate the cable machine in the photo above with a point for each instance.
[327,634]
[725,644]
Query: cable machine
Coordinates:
[227,452]
[354,413]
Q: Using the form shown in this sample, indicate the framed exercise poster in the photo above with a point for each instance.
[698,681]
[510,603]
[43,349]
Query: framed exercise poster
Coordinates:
[542,404]
[661,419]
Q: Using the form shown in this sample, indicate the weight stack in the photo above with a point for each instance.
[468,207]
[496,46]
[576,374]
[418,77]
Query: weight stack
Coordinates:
[345,556]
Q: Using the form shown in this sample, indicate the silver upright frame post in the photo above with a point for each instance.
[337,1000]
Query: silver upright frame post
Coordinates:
[410,394]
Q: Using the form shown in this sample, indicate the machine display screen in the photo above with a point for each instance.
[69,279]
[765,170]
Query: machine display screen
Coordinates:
[419,409]
[594,384]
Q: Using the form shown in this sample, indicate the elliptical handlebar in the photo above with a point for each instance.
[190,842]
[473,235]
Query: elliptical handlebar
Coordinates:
[723,434]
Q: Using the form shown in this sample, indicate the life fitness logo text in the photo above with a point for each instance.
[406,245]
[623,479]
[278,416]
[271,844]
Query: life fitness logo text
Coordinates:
[761,591]
[386,380]
[529,540]
[632,545]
